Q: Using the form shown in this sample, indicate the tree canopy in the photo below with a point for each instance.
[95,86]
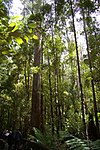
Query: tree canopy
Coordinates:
[50,68]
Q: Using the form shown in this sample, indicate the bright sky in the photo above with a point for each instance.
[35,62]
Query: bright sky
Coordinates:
[17,6]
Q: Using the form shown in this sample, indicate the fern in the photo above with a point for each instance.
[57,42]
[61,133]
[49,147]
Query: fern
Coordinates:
[77,144]
[66,142]
[74,143]
[46,139]
[37,136]
[95,145]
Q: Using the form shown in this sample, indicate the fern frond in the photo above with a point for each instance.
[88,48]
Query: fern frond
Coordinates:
[74,143]
[95,145]
[77,144]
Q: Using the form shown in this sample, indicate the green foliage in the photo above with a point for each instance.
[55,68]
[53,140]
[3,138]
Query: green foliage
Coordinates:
[65,141]
[87,5]
[77,144]
[59,6]
[43,138]
[32,25]
[51,26]
[74,143]
[95,145]
[35,17]
[45,9]
[38,135]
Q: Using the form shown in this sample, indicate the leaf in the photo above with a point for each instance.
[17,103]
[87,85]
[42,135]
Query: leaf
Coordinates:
[32,25]
[12,51]
[17,18]
[65,92]
[39,136]
[30,30]
[16,28]
[19,40]
[35,37]
[3,13]
[35,69]
[26,38]
[12,24]
[5,52]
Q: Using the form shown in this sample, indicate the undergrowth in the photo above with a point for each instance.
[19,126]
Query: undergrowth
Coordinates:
[65,141]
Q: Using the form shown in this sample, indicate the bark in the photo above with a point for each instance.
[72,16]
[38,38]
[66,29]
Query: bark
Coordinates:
[28,82]
[90,66]
[27,79]
[35,116]
[42,97]
[59,120]
[1,118]
[56,91]
[20,119]
[79,74]
[41,109]
[51,102]
[60,91]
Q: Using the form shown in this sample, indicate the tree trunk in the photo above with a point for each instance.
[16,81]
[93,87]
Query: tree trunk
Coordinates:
[42,97]
[35,116]
[79,74]
[28,82]
[51,102]
[90,66]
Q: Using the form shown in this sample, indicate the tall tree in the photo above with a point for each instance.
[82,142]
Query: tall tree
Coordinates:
[89,9]
[35,116]
[78,64]
[36,89]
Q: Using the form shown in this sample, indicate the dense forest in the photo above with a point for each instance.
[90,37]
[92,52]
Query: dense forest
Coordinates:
[50,73]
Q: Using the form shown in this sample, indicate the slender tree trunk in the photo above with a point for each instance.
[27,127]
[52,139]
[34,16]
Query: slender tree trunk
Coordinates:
[35,116]
[60,97]
[90,66]
[63,104]
[27,79]
[20,118]
[41,109]
[28,82]
[56,108]
[14,115]
[42,97]
[51,102]
[59,121]
[8,118]
[25,76]
[79,74]
[72,65]
[45,111]
[2,118]
[55,89]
